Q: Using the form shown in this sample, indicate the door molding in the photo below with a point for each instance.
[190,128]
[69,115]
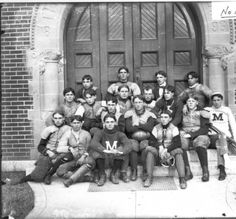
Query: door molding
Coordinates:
[48,28]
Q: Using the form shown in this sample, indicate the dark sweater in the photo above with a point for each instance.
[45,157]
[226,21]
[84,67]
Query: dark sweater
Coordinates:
[174,106]
[105,137]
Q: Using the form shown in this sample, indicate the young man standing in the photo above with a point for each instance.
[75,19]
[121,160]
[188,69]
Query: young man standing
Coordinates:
[195,88]
[87,83]
[222,118]
[123,75]
[161,78]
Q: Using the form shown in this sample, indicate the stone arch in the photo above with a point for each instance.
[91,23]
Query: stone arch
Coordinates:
[45,61]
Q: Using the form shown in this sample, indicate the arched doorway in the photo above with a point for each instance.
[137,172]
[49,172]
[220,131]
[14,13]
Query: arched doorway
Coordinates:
[145,37]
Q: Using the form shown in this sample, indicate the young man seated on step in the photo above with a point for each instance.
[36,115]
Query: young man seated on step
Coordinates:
[223,119]
[165,143]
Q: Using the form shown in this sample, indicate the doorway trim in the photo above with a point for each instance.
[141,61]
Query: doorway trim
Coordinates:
[47,50]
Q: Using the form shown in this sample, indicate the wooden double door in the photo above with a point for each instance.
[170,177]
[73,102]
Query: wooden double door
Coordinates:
[145,37]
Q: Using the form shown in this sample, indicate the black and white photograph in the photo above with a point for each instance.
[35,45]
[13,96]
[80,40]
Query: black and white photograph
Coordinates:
[118,109]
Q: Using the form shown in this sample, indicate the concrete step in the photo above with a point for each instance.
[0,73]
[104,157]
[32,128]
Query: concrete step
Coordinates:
[28,166]
[195,165]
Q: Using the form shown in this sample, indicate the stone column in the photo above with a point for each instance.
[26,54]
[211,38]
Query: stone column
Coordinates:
[50,82]
[217,67]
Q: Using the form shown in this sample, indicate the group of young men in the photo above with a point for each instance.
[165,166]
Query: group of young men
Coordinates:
[87,134]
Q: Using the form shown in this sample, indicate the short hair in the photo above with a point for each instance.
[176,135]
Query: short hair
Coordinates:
[123,67]
[141,97]
[87,77]
[193,74]
[58,111]
[122,86]
[109,115]
[111,98]
[167,112]
[217,94]
[192,96]
[163,73]
[170,88]
[90,91]
[76,117]
[67,90]
[148,87]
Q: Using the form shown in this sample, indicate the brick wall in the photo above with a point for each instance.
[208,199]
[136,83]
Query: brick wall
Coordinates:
[17,133]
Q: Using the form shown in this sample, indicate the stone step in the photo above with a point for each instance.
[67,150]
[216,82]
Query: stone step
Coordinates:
[28,166]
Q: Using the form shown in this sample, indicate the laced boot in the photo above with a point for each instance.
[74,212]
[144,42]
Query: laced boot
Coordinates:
[47,179]
[68,182]
[114,177]
[67,175]
[148,181]
[205,174]
[124,177]
[102,179]
[222,174]
[134,174]
[95,176]
[182,183]
[144,175]
[188,173]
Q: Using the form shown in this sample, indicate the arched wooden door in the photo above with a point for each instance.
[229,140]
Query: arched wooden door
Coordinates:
[145,37]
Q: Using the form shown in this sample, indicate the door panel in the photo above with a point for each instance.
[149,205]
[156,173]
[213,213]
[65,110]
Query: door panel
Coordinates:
[149,40]
[145,37]
[181,43]
[115,41]
[82,45]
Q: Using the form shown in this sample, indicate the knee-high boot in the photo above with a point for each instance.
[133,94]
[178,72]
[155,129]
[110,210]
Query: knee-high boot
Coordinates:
[202,155]
[133,164]
[150,161]
[179,163]
[101,171]
[114,176]
[52,170]
[188,172]
[124,168]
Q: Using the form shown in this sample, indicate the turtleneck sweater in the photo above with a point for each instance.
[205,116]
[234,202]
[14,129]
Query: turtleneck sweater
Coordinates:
[104,139]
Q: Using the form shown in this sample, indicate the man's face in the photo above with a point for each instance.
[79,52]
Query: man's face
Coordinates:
[110,123]
[111,107]
[87,83]
[217,102]
[76,125]
[192,80]
[124,93]
[165,119]
[90,100]
[160,79]
[148,95]
[69,97]
[168,95]
[192,103]
[58,119]
[123,75]
[138,104]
